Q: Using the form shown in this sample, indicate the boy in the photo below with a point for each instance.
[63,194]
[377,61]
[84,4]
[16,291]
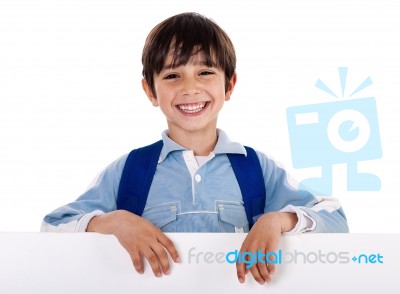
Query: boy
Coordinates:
[189,72]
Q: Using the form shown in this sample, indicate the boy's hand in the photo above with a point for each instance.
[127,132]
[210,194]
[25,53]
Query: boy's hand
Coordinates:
[265,236]
[139,237]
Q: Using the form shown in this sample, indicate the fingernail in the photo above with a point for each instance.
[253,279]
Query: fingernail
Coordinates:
[178,260]
[158,275]
[168,272]
[241,280]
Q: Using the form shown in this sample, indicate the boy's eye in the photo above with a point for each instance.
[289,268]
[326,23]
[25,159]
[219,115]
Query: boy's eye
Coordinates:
[170,76]
[206,73]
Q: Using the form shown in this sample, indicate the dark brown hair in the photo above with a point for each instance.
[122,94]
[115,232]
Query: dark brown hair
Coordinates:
[188,33]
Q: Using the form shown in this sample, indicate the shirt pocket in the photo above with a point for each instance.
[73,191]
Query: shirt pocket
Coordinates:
[162,216]
[232,217]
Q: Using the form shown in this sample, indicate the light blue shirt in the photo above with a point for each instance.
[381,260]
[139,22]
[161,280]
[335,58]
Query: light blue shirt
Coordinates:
[187,197]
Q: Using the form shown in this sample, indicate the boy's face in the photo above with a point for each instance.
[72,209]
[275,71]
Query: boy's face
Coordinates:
[191,95]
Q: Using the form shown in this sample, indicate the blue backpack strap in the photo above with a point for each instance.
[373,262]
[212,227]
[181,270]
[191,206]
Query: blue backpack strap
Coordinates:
[137,176]
[249,175]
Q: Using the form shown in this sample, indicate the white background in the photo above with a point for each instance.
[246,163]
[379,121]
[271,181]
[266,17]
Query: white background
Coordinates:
[71,100]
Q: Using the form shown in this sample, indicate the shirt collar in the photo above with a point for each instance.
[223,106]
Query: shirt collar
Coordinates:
[224,145]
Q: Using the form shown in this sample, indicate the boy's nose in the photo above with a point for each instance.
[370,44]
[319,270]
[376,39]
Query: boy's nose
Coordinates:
[190,87]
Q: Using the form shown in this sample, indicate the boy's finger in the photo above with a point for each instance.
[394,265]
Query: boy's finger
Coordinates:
[169,245]
[241,272]
[256,274]
[153,260]
[263,270]
[137,262]
[271,268]
[163,260]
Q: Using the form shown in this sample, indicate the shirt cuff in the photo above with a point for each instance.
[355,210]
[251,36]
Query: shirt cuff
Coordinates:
[305,222]
[84,220]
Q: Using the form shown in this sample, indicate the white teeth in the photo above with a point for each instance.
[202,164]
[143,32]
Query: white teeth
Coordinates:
[192,108]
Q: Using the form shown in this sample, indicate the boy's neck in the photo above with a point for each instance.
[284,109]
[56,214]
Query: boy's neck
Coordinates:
[202,142]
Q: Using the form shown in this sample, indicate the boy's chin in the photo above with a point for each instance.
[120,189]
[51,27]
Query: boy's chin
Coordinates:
[193,128]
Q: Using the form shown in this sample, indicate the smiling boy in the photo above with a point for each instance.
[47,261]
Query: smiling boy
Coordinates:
[189,72]
[191,97]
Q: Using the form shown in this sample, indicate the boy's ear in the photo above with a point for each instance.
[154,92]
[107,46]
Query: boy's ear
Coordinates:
[149,92]
[231,86]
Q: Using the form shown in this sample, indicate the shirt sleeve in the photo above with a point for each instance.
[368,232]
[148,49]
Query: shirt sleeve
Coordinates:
[99,198]
[317,214]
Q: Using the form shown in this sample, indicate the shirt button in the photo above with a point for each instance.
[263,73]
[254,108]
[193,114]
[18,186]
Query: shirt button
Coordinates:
[197,178]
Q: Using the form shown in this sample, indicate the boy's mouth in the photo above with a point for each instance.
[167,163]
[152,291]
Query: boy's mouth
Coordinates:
[192,108]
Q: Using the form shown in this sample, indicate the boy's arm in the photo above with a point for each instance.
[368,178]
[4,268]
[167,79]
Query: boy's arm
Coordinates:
[287,210]
[95,211]
[99,198]
[317,214]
